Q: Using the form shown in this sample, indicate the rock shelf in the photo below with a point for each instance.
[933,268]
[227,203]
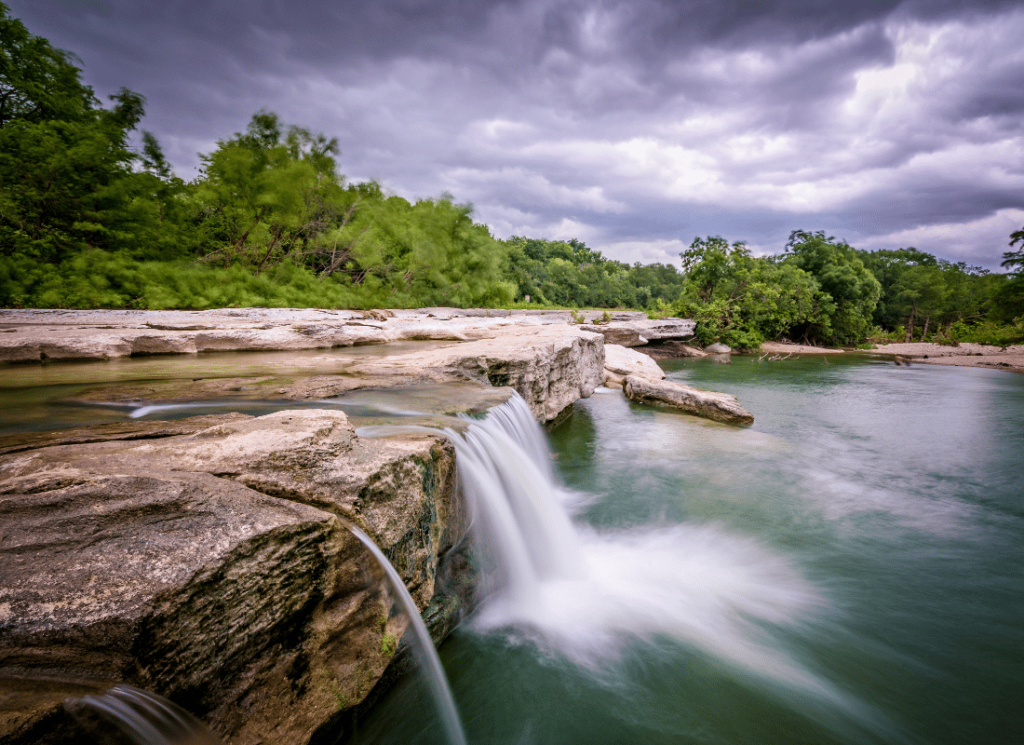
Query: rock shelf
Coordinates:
[208,559]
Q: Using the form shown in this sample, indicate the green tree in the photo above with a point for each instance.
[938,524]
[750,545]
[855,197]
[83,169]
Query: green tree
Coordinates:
[270,193]
[842,275]
[37,82]
[921,293]
[1009,300]
[68,177]
[742,300]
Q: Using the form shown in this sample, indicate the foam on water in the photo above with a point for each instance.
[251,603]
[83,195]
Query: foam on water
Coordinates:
[586,595]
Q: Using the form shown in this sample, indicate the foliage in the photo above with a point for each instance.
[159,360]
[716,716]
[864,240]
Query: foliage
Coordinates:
[388,645]
[921,293]
[570,274]
[990,332]
[1015,259]
[98,279]
[269,194]
[70,179]
[842,276]
[37,82]
[741,300]
[91,215]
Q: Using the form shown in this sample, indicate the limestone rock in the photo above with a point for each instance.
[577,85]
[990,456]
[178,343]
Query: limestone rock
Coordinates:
[551,366]
[672,350]
[620,362]
[718,348]
[214,567]
[39,335]
[620,334]
[720,407]
[637,332]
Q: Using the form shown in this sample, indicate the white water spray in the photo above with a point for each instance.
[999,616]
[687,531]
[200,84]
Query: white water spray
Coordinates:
[586,594]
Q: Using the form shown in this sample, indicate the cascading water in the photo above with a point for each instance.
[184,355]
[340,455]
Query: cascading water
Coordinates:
[587,595]
[147,719]
[424,645]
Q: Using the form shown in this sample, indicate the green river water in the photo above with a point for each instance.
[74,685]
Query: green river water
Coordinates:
[850,569]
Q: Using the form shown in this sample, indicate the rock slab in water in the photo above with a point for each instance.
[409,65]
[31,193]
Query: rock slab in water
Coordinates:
[720,407]
[213,568]
[550,366]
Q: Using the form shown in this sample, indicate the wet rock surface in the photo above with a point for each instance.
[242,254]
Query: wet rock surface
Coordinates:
[721,407]
[215,568]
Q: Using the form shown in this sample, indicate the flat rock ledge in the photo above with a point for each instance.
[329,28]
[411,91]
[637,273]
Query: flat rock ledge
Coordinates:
[550,362]
[38,335]
[214,567]
[721,407]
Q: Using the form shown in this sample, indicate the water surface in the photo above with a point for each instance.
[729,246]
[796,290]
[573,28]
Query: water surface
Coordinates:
[846,570]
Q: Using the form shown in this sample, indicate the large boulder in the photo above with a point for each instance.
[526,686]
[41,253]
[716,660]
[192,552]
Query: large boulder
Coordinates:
[720,407]
[620,362]
[214,567]
[638,331]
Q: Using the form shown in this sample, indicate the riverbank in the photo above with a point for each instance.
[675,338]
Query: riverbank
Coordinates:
[186,532]
[967,354]
[784,348]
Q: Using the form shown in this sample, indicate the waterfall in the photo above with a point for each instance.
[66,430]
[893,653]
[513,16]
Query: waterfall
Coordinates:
[504,467]
[147,719]
[424,645]
[587,594]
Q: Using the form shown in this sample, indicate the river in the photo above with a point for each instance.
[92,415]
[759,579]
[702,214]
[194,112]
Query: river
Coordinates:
[846,570]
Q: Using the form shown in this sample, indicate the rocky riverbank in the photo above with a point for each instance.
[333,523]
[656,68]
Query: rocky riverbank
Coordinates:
[212,565]
[208,559]
[965,354]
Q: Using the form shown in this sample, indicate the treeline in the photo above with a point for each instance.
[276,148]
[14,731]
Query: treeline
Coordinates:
[91,215]
[824,291]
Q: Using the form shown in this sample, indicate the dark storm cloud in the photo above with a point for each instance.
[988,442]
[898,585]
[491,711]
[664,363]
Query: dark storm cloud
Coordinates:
[632,125]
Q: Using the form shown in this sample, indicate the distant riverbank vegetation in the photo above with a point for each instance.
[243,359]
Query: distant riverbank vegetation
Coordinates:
[92,216]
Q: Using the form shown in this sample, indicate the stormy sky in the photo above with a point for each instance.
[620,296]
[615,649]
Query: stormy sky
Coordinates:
[633,126]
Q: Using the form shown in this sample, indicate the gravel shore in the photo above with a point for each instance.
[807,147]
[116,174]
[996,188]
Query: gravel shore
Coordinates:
[966,354]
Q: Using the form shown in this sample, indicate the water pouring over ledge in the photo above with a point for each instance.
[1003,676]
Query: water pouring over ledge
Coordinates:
[585,595]
[144,718]
[424,646]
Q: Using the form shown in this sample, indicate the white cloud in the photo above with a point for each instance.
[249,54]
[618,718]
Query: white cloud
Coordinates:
[972,241]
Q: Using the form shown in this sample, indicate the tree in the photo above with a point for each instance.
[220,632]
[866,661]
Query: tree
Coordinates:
[1013,259]
[921,292]
[741,300]
[843,277]
[67,167]
[37,82]
[1010,298]
[270,193]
